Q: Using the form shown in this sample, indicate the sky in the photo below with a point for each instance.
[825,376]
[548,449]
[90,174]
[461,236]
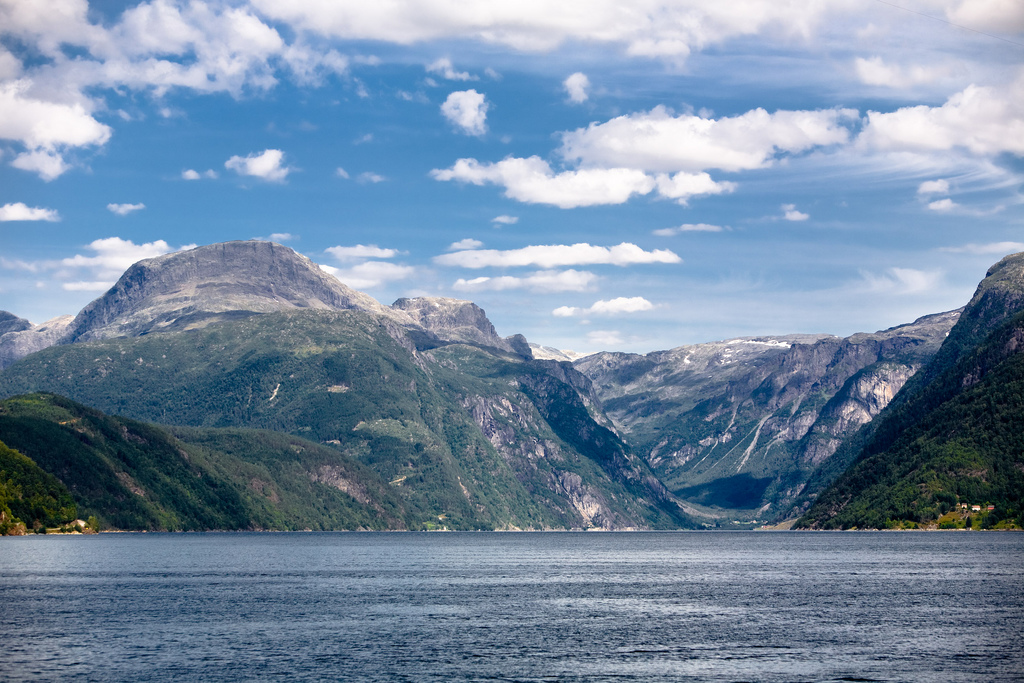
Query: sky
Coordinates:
[596,175]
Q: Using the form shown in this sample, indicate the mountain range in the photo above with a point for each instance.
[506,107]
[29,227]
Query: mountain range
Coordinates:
[311,405]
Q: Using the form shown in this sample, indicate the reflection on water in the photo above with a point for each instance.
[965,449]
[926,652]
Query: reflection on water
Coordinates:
[700,606]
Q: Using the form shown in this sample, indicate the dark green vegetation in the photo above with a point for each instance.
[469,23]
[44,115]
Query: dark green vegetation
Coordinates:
[30,498]
[954,435]
[133,475]
[454,436]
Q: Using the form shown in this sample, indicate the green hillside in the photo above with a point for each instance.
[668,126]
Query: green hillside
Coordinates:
[463,436]
[954,435]
[30,498]
[136,476]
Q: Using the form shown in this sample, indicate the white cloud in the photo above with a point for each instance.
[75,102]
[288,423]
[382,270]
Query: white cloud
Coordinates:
[360,251]
[192,174]
[939,186]
[468,243]
[556,255]
[86,286]
[643,27]
[990,249]
[341,173]
[605,338]
[111,257]
[541,281]
[46,129]
[265,165]
[532,181]
[576,87]
[657,141]
[985,121]
[901,281]
[371,273]
[682,186]
[617,306]
[125,209]
[943,205]
[48,165]
[20,212]
[282,237]
[688,227]
[791,213]
[370,177]
[1000,16]
[467,109]
[443,67]
[505,220]
[874,71]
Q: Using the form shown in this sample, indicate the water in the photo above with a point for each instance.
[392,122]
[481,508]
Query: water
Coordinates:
[698,606]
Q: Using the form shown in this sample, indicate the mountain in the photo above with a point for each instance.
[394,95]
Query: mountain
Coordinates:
[465,427]
[743,424]
[137,476]
[30,497]
[955,435]
[19,337]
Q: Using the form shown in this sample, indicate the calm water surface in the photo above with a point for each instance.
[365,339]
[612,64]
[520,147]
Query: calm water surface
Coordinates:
[700,606]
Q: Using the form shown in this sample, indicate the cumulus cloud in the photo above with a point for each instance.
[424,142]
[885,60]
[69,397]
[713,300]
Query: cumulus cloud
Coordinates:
[468,243]
[360,251]
[266,165]
[943,205]
[533,181]
[110,257]
[617,306]
[939,186]
[902,281]
[576,87]
[688,227]
[20,212]
[192,174]
[125,209]
[467,109]
[605,338]
[984,121]
[570,280]
[1000,16]
[341,173]
[657,141]
[505,220]
[278,237]
[557,255]
[371,273]
[790,213]
[443,67]
[874,71]
[990,249]
[46,129]
[644,27]
[370,177]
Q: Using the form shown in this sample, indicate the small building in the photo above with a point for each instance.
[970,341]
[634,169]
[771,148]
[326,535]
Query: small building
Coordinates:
[975,508]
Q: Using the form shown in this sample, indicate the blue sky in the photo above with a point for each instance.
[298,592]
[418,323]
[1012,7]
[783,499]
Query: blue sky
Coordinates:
[595,175]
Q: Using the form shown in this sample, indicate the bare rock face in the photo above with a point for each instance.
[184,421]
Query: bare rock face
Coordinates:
[19,343]
[208,283]
[456,320]
[735,424]
[12,323]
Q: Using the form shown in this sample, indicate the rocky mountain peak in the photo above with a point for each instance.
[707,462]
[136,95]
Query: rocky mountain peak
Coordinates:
[455,320]
[213,282]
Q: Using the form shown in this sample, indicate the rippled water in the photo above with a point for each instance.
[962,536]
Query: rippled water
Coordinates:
[699,606]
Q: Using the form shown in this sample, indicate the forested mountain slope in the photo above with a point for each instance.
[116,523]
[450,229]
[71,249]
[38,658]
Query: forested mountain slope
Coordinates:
[956,433]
